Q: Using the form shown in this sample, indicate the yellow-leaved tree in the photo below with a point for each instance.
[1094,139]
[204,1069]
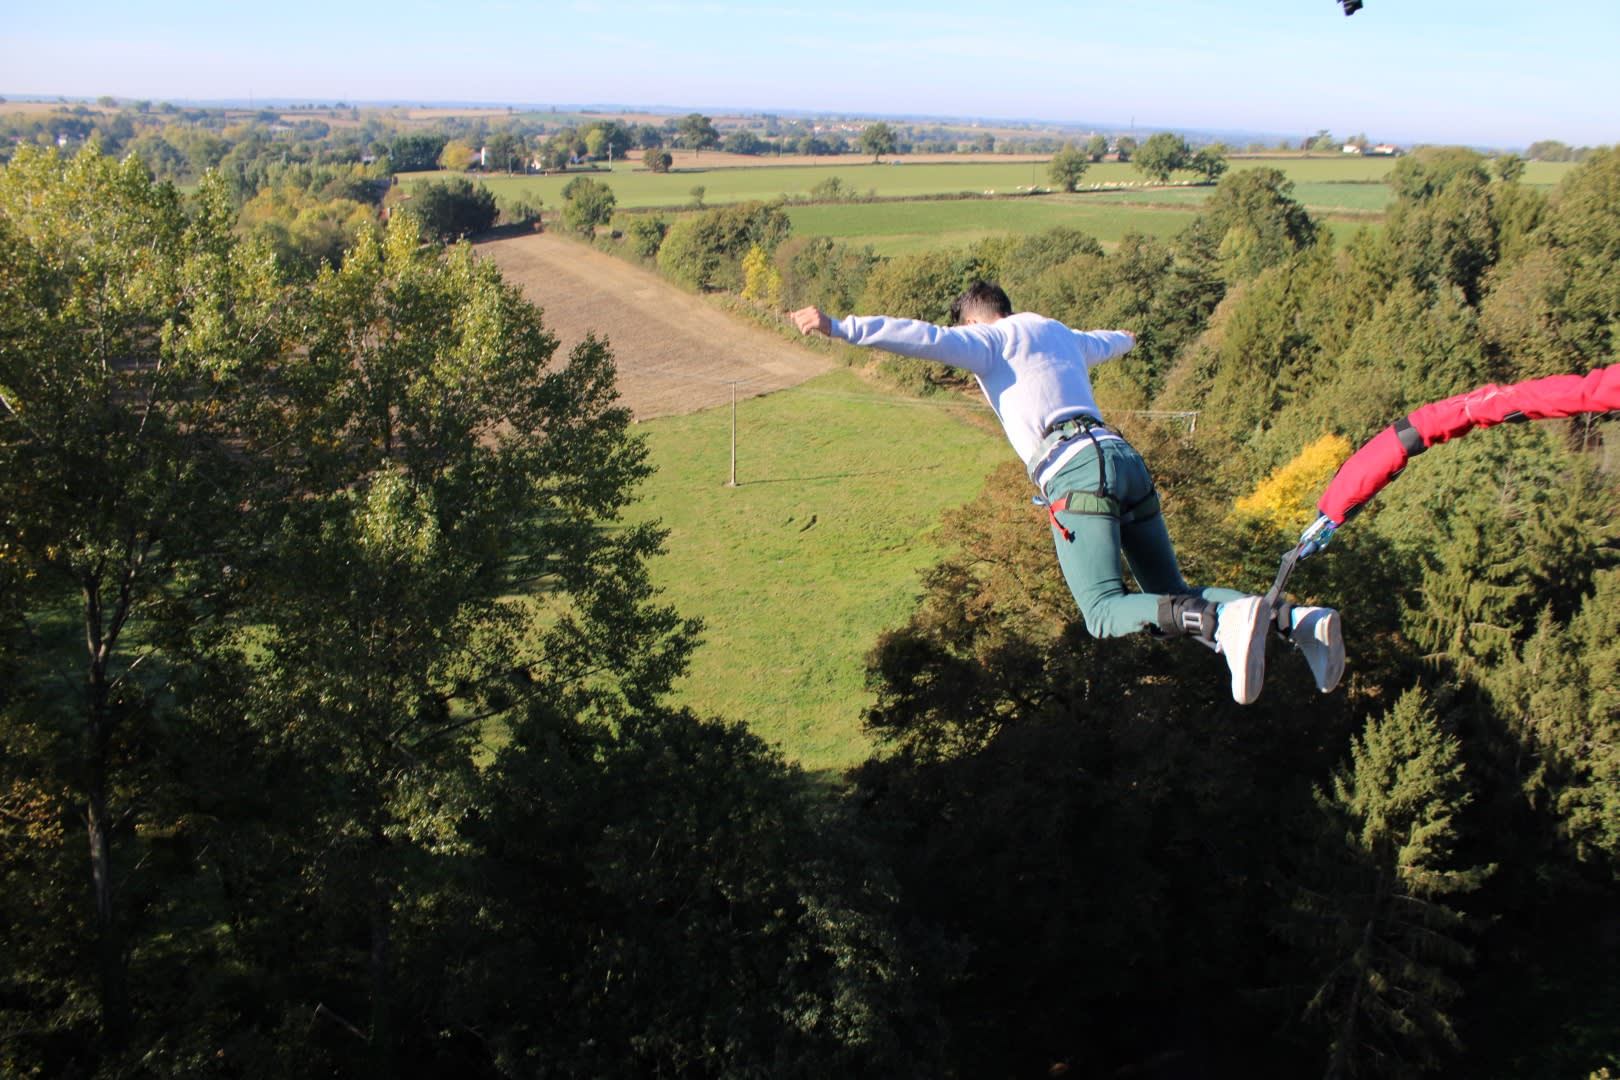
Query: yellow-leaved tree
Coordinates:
[1286,499]
[761,280]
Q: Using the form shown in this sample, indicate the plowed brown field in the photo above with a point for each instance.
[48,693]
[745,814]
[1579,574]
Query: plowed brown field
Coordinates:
[676,353]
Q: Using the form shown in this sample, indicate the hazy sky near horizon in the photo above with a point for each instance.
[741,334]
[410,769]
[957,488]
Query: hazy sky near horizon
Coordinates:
[1491,73]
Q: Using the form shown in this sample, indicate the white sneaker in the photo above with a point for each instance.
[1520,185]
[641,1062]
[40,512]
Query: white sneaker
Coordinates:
[1240,635]
[1318,635]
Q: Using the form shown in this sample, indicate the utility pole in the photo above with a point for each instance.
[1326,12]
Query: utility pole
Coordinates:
[733,435]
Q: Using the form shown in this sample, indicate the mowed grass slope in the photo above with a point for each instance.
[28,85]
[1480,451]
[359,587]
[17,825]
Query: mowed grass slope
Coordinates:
[797,569]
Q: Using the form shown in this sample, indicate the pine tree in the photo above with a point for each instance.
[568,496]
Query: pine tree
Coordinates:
[1373,911]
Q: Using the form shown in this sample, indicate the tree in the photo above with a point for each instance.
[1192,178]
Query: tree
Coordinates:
[1097,147]
[609,139]
[587,204]
[877,139]
[1209,162]
[1510,168]
[697,132]
[670,896]
[457,155]
[1442,225]
[1124,148]
[1067,167]
[415,153]
[832,189]
[505,151]
[1249,223]
[1384,936]
[304,229]
[744,142]
[762,281]
[646,233]
[657,160]
[130,328]
[432,460]
[706,251]
[1548,150]
[451,209]
[1164,153]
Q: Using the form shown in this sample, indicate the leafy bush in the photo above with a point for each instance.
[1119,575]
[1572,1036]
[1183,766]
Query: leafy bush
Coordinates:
[587,203]
[646,233]
[705,251]
[450,209]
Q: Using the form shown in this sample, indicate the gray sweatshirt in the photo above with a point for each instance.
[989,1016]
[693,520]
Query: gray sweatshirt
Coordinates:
[1034,371]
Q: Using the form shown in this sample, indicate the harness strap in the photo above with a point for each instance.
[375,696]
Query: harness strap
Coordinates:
[1100,505]
[1071,427]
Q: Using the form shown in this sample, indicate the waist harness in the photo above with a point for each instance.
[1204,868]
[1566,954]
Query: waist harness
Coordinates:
[1097,501]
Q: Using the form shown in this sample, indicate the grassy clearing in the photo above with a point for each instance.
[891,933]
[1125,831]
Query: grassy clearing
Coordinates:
[910,227]
[797,569]
[635,187]
[907,227]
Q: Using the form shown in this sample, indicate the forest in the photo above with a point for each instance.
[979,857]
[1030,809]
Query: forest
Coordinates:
[285,543]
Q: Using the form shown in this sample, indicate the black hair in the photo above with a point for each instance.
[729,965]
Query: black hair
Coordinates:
[982,298]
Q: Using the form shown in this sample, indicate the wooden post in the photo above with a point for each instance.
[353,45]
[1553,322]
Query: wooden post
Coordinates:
[733,436]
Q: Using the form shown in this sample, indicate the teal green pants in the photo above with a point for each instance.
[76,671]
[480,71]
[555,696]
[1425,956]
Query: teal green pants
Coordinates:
[1090,562]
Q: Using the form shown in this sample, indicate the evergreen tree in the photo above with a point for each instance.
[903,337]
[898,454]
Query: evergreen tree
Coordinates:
[1375,910]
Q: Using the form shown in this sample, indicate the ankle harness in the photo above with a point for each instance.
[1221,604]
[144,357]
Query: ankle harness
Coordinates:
[1184,614]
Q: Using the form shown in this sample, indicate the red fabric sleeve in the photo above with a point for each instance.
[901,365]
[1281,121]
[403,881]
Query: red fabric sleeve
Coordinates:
[1377,463]
[1363,475]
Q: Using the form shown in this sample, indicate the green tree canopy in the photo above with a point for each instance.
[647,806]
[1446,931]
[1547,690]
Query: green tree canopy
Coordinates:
[878,139]
[697,132]
[657,160]
[587,204]
[415,153]
[450,209]
[1067,167]
[1164,153]
[132,327]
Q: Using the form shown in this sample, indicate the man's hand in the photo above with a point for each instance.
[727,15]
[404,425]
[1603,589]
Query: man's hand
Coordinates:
[812,320]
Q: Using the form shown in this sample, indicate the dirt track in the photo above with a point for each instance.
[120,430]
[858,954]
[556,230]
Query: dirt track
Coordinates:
[676,353]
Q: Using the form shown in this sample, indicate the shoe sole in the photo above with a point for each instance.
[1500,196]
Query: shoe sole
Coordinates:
[1254,666]
[1328,634]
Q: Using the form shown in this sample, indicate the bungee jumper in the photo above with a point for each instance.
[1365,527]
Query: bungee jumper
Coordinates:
[1381,459]
[1097,490]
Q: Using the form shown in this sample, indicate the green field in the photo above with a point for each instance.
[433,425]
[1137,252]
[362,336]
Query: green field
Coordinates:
[635,187]
[794,570]
[1332,180]
[903,228]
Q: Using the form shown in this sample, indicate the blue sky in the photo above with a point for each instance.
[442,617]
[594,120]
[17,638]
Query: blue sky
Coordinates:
[1491,73]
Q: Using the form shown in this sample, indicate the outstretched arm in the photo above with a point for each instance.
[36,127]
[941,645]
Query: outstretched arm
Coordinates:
[1100,345]
[969,347]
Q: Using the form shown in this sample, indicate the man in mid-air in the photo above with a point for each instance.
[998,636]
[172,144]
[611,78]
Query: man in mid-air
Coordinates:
[1034,371]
